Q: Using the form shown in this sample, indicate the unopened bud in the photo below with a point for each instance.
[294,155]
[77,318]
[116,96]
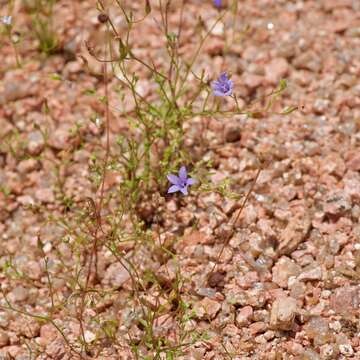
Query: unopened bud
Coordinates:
[15,37]
[103,18]
[147,7]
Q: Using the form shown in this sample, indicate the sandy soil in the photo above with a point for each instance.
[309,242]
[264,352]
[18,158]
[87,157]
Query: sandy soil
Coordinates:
[286,285]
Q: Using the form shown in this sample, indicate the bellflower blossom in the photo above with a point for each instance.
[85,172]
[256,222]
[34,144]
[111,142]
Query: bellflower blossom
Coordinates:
[217,3]
[6,20]
[223,86]
[181,182]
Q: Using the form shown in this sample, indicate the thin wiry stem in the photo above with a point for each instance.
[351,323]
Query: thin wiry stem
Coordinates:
[227,239]
[41,318]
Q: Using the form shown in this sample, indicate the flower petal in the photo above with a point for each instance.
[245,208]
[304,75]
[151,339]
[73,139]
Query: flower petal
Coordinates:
[183,174]
[184,190]
[215,84]
[174,188]
[218,93]
[190,181]
[223,77]
[173,179]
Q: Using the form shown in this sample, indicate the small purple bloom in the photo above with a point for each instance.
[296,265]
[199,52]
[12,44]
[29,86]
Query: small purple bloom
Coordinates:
[6,20]
[217,3]
[223,86]
[181,182]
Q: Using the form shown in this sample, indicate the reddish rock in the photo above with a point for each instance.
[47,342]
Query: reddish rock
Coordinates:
[4,338]
[283,270]
[312,272]
[57,349]
[194,238]
[116,275]
[345,300]
[317,329]
[258,327]
[337,203]
[206,309]
[295,232]
[60,138]
[35,142]
[14,351]
[45,195]
[252,81]
[308,60]
[216,279]
[276,70]
[248,280]
[353,161]
[232,134]
[28,165]
[244,316]
[48,333]
[352,185]
[330,5]
[283,313]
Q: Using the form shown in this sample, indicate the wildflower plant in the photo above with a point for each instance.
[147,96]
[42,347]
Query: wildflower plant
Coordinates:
[7,22]
[42,24]
[143,156]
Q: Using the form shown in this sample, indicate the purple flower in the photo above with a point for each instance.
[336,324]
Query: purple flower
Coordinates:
[223,86]
[6,20]
[181,182]
[217,3]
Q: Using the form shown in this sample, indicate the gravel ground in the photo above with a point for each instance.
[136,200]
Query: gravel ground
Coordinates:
[287,283]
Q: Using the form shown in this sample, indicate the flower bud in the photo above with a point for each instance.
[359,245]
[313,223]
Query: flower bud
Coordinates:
[103,18]
[147,7]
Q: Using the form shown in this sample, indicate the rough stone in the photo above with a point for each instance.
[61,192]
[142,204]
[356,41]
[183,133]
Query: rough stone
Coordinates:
[276,70]
[244,316]
[15,90]
[48,333]
[295,233]
[258,327]
[60,138]
[56,349]
[35,143]
[346,350]
[345,300]
[283,313]
[283,270]
[116,275]
[232,134]
[45,195]
[27,166]
[353,162]
[19,294]
[4,338]
[311,273]
[252,81]
[207,308]
[337,203]
[317,329]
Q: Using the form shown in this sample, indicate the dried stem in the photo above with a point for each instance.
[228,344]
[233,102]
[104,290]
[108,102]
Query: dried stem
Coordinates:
[97,208]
